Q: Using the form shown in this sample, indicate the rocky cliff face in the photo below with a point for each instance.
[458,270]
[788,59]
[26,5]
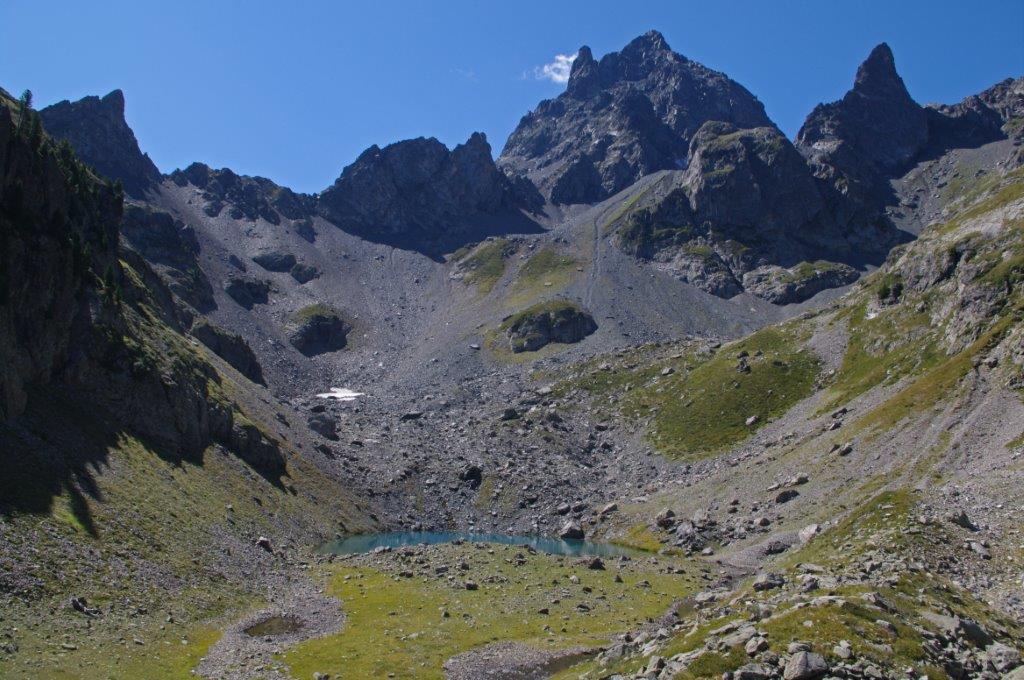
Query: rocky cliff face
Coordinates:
[418,193]
[620,118]
[854,145]
[746,214]
[97,130]
[876,126]
[57,240]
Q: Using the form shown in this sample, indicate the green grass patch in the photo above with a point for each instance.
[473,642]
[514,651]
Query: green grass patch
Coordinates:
[937,384]
[395,625]
[700,412]
[883,511]
[484,266]
[547,271]
[310,311]
[639,537]
[853,622]
[882,350]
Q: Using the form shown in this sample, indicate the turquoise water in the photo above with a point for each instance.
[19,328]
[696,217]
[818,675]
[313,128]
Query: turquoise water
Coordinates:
[555,546]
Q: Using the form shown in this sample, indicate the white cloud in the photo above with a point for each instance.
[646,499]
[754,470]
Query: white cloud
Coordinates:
[466,74]
[557,71]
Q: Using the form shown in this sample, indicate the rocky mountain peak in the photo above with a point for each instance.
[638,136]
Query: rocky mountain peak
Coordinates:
[417,193]
[625,116]
[584,76]
[114,101]
[876,127]
[641,56]
[96,128]
[877,76]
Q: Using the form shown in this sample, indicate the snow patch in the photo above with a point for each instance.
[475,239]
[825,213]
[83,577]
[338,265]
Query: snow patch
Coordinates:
[341,394]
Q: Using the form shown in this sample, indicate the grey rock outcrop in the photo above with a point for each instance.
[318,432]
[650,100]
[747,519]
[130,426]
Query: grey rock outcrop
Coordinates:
[231,348]
[543,324]
[245,197]
[171,247]
[247,292]
[317,329]
[746,214]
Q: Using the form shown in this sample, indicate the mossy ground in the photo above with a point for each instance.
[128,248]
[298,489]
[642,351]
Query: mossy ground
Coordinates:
[702,405]
[699,412]
[396,624]
[102,514]
[546,271]
[882,349]
[310,311]
[485,265]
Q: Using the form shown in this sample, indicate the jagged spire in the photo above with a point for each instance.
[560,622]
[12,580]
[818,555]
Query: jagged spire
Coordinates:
[877,76]
[584,77]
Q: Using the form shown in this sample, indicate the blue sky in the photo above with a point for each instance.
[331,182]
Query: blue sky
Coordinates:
[294,91]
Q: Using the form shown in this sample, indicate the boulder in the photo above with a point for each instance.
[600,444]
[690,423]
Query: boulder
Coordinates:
[805,666]
[556,321]
[324,425]
[317,329]
[247,292]
[768,581]
[275,261]
[473,475]
[571,530]
[304,273]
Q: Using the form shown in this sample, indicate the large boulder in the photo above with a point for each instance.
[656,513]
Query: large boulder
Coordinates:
[782,286]
[571,531]
[805,666]
[318,329]
[555,321]
[275,261]
[247,292]
[304,273]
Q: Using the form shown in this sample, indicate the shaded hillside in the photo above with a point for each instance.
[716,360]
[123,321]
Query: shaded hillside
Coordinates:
[139,469]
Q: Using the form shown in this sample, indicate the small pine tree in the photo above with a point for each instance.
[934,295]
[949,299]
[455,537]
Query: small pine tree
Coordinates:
[25,106]
[35,129]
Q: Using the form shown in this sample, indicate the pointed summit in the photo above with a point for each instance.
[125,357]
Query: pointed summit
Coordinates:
[877,120]
[585,76]
[114,100]
[877,76]
[651,40]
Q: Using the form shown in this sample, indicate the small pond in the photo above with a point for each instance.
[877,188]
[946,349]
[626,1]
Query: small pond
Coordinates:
[363,543]
[275,625]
